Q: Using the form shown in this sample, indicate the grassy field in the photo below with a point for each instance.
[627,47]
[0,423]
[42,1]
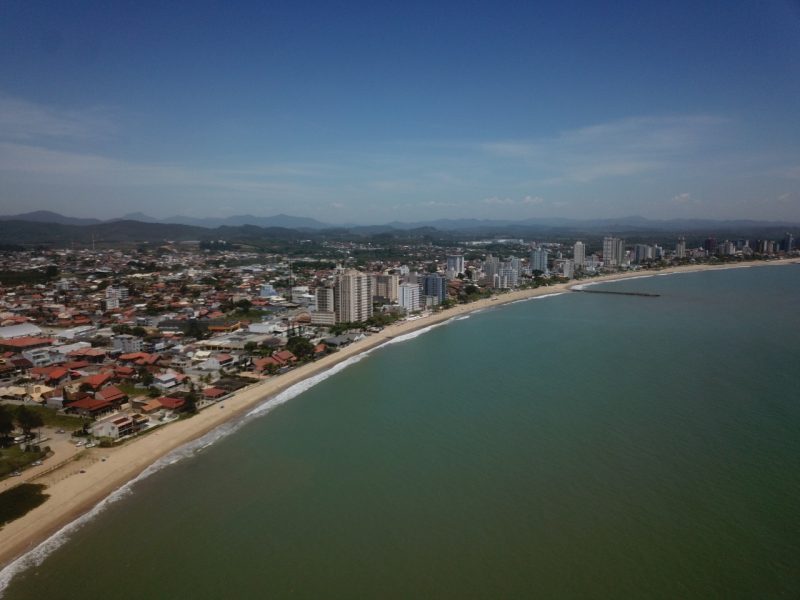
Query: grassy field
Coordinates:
[13,459]
[17,501]
[52,419]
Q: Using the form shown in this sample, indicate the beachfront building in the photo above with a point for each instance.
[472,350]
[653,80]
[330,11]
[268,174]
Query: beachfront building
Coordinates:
[643,253]
[539,260]
[116,426]
[324,313]
[680,248]
[579,254]
[409,297]
[435,286]
[491,267]
[385,286]
[455,265]
[613,251]
[352,297]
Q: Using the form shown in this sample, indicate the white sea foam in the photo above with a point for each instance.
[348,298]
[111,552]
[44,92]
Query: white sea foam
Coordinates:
[542,297]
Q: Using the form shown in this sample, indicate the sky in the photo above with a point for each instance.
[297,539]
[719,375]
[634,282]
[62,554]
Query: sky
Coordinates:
[371,112]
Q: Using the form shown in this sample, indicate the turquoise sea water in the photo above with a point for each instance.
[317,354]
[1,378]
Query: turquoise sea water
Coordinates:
[577,446]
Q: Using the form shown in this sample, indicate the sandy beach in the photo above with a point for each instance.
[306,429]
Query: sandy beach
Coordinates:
[82,482]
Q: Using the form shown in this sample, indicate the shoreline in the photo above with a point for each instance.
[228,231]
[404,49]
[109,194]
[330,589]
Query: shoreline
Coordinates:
[75,497]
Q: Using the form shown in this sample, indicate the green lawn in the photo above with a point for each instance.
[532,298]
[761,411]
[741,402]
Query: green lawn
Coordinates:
[52,419]
[13,459]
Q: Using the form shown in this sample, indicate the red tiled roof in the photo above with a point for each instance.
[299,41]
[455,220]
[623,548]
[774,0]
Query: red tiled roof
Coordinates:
[131,356]
[111,393]
[57,373]
[90,404]
[212,392]
[285,356]
[262,363]
[96,381]
[171,403]
[76,364]
[26,342]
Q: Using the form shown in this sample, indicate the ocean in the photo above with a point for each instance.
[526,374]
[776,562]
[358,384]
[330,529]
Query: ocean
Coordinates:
[571,446]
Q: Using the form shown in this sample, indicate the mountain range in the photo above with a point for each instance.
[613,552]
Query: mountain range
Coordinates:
[617,225]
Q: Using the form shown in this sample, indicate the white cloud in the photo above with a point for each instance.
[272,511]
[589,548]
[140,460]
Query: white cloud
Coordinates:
[619,148]
[684,198]
[26,121]
[524,201]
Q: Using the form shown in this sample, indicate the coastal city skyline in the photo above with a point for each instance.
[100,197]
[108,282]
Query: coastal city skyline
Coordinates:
[377,113]
[100,347]
[399,300]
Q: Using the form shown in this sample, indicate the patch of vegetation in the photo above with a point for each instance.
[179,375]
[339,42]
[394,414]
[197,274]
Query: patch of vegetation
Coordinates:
[14,458]
[20,500]
[51,418]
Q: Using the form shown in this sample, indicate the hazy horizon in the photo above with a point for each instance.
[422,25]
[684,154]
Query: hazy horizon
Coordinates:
[371,113]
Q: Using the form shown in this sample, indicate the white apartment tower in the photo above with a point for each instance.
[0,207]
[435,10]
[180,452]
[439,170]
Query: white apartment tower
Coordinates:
[409,296]
[539,260]
[579,254]
[613,250]
[680,248]
[455,265]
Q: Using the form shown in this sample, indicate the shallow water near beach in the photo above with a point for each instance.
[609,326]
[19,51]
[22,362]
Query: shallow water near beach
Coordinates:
[582,445]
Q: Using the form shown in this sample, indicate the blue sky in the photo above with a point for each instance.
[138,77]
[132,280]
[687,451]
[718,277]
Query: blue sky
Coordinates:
[371,112]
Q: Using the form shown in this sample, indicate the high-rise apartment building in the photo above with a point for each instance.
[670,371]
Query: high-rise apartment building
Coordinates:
[385,286]
[324,313]
[491,266]
[579,254]
[613,251]
[642,253]
[539,260]
[352,297]
[409,296]
[680,248]
[435,285]
[455,265]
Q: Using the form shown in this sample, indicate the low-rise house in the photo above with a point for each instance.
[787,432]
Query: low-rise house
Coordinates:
[169,379]
[285,357]
[151,406]
[113,394]
[90,407]
[98,380]
[212,393]
[171,403]
[114,427]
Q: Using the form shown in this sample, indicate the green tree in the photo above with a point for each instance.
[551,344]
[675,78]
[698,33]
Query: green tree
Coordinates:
[28,420]
[145,377]
[6,424]
[191,403]
[299,346]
